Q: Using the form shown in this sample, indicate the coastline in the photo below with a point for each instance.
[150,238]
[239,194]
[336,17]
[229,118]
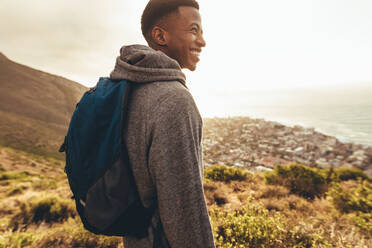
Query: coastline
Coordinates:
[347,122]
[258,144]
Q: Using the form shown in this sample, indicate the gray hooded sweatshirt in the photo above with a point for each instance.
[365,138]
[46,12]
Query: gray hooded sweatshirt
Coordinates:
[163,139]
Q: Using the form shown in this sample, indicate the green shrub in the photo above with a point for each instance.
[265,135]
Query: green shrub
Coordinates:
[249,227]
[16,240]
[357,199]
[72,234]
[48,209]
[12,175]
[344,174]
[44,185]
[57,163]
[219,198]
[273,191]
[299,179]
[225,173]
[253,226]
[16,190]
[363,221]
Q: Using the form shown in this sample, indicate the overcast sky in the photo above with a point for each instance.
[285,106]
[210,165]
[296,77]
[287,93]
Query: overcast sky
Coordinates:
[251,44]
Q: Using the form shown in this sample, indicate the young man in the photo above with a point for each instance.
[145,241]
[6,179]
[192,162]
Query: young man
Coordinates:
[164,131]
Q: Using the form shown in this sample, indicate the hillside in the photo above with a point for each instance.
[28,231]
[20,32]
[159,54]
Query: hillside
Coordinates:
[35,107]
[299,207]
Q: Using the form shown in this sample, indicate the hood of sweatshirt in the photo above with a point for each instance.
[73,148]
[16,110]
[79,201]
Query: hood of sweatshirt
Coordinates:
[142,64]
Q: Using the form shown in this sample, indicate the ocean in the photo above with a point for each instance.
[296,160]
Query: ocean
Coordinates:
[343,113]
[347,123]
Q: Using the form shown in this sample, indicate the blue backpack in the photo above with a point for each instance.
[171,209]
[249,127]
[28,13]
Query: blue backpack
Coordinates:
[97,163]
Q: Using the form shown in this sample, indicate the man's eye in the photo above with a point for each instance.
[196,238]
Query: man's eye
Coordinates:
[194,30]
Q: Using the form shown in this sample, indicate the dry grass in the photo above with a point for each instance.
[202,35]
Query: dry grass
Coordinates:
[298,219]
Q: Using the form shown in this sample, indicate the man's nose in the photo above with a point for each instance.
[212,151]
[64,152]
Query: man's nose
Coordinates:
[201,41]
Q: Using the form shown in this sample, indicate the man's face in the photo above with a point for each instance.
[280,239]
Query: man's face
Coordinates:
[185,37]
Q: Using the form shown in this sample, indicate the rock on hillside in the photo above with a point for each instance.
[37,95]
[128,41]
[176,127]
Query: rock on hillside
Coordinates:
[35,107]
[252,143]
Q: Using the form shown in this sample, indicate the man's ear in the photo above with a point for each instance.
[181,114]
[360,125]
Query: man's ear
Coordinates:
[159,36]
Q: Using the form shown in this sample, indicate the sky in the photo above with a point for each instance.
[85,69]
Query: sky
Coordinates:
[252,46]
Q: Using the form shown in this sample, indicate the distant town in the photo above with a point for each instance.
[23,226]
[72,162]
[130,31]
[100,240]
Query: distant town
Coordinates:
[257,144]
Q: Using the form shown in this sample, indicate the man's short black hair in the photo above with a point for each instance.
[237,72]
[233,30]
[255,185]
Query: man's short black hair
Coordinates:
[156,9]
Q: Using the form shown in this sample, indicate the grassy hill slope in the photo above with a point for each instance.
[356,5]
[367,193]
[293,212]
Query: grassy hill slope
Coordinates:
[35,107]
[247,210]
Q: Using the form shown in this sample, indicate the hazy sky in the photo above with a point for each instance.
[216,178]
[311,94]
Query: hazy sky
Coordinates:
[251,44]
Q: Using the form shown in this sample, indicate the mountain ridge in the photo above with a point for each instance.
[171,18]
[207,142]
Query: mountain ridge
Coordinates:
[35,107]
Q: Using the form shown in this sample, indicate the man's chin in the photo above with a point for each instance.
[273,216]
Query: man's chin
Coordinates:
[191,67]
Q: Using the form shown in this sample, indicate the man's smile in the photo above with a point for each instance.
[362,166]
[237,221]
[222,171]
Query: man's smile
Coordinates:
[195,52]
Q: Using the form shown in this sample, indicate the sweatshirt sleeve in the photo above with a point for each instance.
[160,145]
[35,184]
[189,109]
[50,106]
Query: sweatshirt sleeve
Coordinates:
[176,169]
